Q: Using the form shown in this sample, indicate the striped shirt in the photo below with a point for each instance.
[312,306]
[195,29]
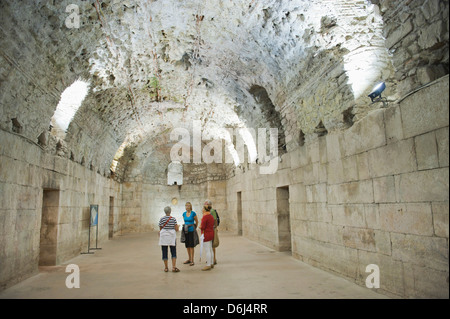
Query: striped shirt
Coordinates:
[170,225]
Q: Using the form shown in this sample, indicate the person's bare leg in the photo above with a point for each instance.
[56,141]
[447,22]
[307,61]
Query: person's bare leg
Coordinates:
[174,263]
[189,256]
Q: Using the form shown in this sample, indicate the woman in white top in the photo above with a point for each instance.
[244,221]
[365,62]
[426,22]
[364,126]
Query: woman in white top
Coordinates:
[168,228]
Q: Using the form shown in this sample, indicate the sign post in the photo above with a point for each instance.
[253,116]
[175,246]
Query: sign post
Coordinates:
[93,221]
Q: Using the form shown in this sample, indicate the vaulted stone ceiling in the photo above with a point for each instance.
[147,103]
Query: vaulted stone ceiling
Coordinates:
[153,66]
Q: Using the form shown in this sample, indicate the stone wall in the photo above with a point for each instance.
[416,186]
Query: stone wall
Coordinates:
[376,193]
[416,35]
[143,204]
[25,172]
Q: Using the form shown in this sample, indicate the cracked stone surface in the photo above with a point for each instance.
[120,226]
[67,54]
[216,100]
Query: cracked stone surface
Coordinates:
[153,66]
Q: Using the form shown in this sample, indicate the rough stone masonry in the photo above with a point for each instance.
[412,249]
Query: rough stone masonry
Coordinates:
[357,183]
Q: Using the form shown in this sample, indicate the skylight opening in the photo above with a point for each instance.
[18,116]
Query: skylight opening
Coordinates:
[117,157]
[364,64]
[70,101]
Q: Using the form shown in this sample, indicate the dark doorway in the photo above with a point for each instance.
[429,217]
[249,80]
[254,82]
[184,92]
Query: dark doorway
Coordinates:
[49,228]
[239,213]
[111,218]
[284,225]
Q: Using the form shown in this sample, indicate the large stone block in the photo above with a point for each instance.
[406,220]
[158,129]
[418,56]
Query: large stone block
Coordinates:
[323,173]
[367,239]
[297,210]
[440,218]
[7,228]
[297,193]
[285,162]
[316,193]
[339,259]
[323,213]
[11,170]
[300,228]
[391,271]
[334,233]
[426,110]
[323,157]
[295,158]
[313,151]
[304,157]
[297,175]
[394,158]
[282,177]
[27,197]
[426,151]
[311,211]
[384,189]
[407,218]
[393,124]
[359,238]
[335,148]
[423,186]
[311,174]
[362,162]
[353,192]
[423,282]
[350,166]
[335,172]
[366,134]
[442,146]
[372,216]
[317,231]
[383,242]
[348,215]
[431,252]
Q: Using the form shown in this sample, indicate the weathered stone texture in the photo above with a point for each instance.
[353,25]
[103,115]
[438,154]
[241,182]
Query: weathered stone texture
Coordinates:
[417,34]
[420,115]
[25,172]
[381,200]
[367,182]
[393,159]
[423,186]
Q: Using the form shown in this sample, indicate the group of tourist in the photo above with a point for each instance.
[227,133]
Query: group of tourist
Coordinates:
[169,227]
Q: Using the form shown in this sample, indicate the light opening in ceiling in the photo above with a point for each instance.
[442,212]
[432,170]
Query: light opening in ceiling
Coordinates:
[70,101]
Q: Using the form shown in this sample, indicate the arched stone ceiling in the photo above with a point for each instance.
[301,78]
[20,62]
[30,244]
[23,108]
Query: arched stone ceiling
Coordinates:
[153,66]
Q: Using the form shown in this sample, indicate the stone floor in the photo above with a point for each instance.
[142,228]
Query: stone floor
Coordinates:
[130,266]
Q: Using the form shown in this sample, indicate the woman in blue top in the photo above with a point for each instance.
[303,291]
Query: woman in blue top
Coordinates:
[190,220]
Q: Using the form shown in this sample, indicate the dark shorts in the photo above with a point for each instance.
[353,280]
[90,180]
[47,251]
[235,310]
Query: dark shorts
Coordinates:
[165,253]
[189,239]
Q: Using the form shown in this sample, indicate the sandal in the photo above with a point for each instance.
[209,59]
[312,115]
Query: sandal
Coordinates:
[191,264]
[166,269]
[187,262]
[175,269]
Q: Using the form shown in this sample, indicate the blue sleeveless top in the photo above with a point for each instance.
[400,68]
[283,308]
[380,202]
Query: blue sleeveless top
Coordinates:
[189,220]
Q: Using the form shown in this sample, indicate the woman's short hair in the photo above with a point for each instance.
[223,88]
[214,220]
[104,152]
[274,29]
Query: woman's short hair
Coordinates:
[207,208]
[167,210]
[208,204]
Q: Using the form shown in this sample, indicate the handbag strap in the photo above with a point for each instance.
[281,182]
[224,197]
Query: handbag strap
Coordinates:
[166,223]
